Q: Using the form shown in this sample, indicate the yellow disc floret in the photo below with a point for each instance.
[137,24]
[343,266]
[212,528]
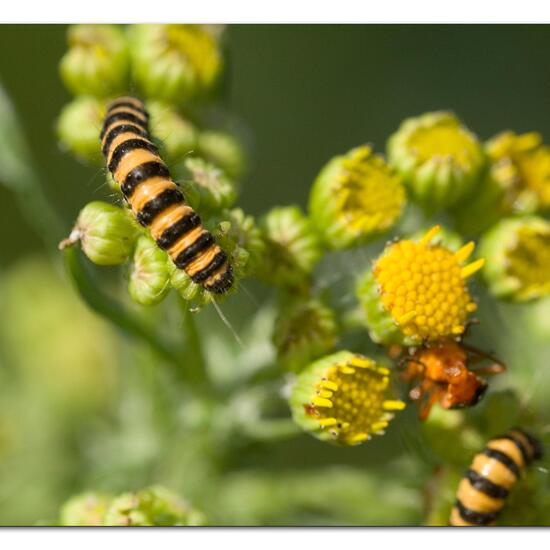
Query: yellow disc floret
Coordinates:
[344,398]
[422,287]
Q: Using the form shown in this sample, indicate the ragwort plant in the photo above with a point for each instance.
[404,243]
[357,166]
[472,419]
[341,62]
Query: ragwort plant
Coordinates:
[377,266]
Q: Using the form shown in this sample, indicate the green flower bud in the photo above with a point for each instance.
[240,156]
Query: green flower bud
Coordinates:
[174,62]
[416,291]
[517,251]
[517,182]
[78,128]
[355,198]
[85,510]
[343,398]
[215,191]
[107,233]
[292,247]
[154,506]
[440,159]
[178,137]
[97,61]
[304,330]
[237,234]
[150,273]
[224,151]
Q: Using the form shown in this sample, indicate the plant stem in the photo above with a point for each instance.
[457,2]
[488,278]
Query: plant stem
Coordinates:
[113,311]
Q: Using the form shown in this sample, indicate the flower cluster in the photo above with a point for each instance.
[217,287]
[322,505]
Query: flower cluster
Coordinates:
[153,506]
[174,68]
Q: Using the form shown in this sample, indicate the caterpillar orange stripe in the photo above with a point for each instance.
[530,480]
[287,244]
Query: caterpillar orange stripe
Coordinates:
[482,492]
[156,201]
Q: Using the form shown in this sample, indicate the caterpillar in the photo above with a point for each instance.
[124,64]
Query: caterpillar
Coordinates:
[483,490]
[156,201]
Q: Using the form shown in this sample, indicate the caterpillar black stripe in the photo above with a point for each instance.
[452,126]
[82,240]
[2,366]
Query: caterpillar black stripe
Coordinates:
[156,201]
[482,492]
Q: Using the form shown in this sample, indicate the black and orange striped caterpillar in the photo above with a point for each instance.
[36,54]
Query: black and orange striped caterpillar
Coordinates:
[482,492]
[156,201]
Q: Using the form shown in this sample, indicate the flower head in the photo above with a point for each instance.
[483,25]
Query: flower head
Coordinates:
[518,258]
[177,135]
[292,247]
[440,160]
[174,62]
[149,274]
[78,128]
[154,506]
[106,233]
[417,291]
[224,150]
[97,61]
[304,330]
[520,165]
[344,398]
[355,197]
[85,510]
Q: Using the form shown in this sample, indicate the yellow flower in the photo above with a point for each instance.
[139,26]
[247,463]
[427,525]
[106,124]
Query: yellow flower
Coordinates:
[417,291]
[355,198]
[518,258]
[520,164]
[344,398]
[439,158]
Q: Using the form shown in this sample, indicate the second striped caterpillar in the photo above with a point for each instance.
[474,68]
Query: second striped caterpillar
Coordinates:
[155,200]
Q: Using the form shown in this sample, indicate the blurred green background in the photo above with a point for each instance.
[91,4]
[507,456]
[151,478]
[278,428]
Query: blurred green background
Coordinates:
[100,414]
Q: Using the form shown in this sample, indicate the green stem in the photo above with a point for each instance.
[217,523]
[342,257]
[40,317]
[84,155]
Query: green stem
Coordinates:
[194,361]
[111,310]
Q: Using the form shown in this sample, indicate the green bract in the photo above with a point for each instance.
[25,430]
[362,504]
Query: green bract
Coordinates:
[79,125]
[97,61]
[107,233]
[150,273]
[304,330]
[292,247]
[517,253]
[440,159]
[355,198]
[174,62]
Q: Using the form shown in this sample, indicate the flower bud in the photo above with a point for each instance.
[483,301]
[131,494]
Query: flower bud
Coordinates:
[355,198]
[237,234]
[174,62]
[154,506]
[97,61]
[416,292]
[224,151]
[517,251]
[215,191]
[177,136]
[78,128]
[304,330]
[343,398]
[439,158]
[107,233]
[292,247]
[150,273]
[85,510]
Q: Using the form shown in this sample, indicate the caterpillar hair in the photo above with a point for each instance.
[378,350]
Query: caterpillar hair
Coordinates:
[156,201]
[482,492]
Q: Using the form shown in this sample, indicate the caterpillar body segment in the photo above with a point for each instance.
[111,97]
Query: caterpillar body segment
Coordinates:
[156,201]
[483,491]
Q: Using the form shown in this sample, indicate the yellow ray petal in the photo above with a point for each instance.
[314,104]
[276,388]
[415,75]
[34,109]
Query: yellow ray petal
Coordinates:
[325,422]
[430,234]
[322,402]
[404,319]
[393,405]
[470,269]
[465,251]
